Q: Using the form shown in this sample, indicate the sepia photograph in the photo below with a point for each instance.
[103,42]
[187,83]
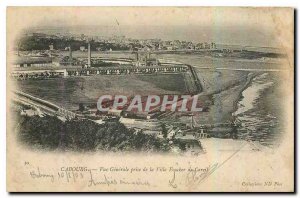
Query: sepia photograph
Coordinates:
[150,99]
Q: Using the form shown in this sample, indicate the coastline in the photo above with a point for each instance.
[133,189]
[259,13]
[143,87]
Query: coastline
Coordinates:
[251,76]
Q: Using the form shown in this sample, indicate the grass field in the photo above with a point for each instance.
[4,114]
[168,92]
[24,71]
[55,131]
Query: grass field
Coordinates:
[71,91]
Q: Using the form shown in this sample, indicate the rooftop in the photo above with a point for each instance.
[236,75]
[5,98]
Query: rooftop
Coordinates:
[50,67]
[31,60]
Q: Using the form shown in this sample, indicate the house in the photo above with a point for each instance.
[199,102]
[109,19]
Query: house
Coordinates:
[51,47]
[82,48]
[169,47]
[189,141]
[32,61]
[172,132]
[114,112]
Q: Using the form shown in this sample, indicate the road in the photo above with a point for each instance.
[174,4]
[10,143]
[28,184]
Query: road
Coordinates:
[242,69]
[43,105]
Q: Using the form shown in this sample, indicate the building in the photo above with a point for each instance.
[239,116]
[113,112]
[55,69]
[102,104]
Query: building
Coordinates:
[51,47]
[32,61]
[82,48]
[144,59]
[23,73]
[169,47]
[171,133]
[89,55]
[114,112]
[189,141]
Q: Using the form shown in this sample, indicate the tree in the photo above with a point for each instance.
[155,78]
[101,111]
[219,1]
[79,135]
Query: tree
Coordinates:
[51,133]
[164,130]
[81,107]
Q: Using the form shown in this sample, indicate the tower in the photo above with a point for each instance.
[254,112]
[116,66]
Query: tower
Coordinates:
[89,55]
[70,55]
[193,121]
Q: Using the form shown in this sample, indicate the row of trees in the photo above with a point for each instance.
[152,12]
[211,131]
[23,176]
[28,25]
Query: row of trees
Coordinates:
[29,43]
[50,133]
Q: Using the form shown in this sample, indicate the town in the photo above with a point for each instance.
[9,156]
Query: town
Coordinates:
[42,41]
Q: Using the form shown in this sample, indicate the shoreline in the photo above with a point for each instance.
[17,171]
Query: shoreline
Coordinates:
[250,77]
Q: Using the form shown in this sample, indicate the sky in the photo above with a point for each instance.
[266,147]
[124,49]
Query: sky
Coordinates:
[240,26]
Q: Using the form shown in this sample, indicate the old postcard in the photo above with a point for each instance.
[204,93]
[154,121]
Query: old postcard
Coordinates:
[150,99]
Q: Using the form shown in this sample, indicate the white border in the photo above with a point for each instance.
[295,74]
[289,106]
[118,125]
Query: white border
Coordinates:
[286,3]
[3,5]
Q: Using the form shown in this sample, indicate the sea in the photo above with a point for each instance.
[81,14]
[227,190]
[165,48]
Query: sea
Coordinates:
[258,115]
